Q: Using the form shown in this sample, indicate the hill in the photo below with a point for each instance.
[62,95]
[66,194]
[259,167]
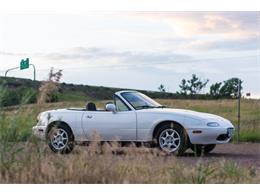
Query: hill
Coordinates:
[17,88]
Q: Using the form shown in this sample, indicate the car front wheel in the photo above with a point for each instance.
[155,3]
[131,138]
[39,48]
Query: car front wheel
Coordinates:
[172,139]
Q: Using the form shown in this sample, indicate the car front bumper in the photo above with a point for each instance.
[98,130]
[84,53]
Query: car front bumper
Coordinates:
[39,132]
[210,135]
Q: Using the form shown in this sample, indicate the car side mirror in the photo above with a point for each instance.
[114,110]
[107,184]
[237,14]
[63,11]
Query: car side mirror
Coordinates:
[111,107]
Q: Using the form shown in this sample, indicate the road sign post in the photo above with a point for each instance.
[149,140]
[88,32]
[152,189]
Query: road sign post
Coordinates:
[34,71]
[10,70]
[24,64]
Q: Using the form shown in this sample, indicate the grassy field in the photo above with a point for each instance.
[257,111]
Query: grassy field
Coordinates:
[21,118]
[26,160]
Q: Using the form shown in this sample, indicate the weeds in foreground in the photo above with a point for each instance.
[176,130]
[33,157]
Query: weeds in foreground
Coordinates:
[111,164]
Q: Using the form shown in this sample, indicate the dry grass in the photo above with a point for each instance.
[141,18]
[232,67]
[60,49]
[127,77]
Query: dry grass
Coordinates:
[48,87]
[109,164]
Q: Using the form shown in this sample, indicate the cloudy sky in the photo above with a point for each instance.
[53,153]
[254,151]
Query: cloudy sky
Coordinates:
[137,50]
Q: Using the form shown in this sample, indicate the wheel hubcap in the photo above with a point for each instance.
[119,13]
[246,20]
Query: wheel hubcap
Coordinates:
[169,140]
[59,139]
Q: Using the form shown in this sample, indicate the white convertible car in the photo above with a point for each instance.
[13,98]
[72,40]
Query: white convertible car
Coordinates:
[134,117]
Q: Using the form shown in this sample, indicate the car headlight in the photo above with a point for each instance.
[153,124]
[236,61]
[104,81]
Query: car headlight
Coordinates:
[212,124]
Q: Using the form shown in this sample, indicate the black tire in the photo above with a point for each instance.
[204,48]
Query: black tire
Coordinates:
[68,147]
[202,149]
[182,145]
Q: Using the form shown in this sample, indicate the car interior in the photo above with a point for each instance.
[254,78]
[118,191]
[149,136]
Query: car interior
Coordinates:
[90,106]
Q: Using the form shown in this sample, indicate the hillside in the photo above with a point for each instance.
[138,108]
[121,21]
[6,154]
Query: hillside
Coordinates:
[74,92]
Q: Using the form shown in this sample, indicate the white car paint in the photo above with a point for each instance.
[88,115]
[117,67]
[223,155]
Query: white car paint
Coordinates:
[134,125]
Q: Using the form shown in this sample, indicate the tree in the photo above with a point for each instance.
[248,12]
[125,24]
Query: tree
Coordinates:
[161,88]
[184,87]
[192,86]
[230,88]
[215,89]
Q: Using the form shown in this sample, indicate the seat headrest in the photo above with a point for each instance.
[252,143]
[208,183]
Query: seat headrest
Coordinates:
[91,106]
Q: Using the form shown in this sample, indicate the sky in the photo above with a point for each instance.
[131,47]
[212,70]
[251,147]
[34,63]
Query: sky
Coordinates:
[138,50]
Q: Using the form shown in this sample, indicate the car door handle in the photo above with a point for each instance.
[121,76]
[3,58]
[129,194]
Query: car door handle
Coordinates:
[89,116]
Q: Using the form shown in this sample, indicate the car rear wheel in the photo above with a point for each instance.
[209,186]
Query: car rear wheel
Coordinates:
[202,149]
[60,139]
[172,139]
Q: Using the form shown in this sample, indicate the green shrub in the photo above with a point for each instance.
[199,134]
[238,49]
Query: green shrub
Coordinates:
[11,97]
[53,97]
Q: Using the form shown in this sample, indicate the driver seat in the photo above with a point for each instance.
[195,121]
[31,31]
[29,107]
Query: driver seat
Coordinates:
[90,106]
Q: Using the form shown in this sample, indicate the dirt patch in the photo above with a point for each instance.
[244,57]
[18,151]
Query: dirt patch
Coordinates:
[244,154]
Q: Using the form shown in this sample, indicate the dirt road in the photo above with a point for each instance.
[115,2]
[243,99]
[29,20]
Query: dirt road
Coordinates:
[245,154]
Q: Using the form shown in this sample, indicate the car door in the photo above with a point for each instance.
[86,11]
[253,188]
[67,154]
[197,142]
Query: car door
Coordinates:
[109,126]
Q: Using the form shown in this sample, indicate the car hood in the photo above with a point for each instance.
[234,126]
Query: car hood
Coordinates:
[186,113]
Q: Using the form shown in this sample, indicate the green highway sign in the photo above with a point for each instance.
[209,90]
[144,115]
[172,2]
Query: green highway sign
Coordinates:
[24,64]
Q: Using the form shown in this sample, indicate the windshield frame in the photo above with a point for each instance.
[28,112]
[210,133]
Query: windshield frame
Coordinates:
[150,103]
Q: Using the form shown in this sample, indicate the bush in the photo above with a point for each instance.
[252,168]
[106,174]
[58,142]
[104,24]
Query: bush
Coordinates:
[53,97]
[11,97]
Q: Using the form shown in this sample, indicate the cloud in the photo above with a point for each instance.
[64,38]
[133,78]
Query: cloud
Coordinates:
[11,53]
[110,57]
[225,24]
[107,58]
[84,57]
[248,44]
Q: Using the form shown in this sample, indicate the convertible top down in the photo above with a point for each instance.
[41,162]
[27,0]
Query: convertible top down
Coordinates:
[134,117]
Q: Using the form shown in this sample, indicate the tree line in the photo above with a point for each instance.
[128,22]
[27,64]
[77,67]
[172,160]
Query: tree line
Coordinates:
[15,91]
[191,87]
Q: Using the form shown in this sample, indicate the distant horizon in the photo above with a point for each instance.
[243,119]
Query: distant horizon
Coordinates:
[135,50]
[122,88]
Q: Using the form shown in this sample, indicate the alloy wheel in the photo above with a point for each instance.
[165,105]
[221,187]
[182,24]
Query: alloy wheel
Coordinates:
[59,139]
[169,140]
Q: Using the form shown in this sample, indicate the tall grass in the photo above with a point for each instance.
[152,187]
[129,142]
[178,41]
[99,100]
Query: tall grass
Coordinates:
[36,164]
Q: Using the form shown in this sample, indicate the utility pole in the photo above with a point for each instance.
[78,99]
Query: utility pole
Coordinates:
[238,110]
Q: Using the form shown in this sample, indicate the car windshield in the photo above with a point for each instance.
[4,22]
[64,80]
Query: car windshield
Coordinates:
[140,101]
